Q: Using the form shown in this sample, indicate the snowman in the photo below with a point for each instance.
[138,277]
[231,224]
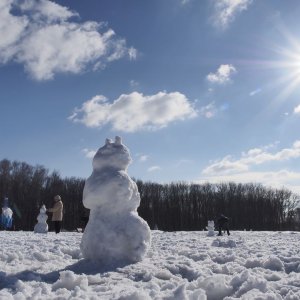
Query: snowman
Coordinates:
[115,233]
[41,226]
[210,228]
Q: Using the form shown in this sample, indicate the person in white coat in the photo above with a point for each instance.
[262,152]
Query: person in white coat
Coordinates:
[57,213]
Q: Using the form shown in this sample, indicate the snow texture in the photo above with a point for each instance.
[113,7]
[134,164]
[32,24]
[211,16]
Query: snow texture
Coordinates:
[115,233]
[41,226]
[178,265]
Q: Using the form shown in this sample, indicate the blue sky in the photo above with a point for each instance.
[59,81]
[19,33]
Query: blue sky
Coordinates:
[198,90]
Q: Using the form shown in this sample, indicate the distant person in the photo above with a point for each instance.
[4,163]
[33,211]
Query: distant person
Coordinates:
[223,224]
[57,213]
[6,218]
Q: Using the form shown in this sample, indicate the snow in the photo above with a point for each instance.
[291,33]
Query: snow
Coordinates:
[115,233]
[179,265]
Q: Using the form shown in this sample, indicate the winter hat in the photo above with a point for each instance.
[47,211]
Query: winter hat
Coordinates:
[57,197]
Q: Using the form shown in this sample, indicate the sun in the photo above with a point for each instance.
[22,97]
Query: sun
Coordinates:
[287,62]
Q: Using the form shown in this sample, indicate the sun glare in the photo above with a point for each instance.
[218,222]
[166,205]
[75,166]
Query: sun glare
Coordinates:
[288,62]
[298,65]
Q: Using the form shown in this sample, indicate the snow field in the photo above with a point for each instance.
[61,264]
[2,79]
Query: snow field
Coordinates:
[178,265]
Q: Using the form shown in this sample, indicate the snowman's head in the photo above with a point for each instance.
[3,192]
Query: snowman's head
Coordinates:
[210,223]
[43,209]
[112,155]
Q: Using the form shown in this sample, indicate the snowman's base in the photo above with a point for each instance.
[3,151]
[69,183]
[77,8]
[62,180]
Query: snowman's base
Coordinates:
[41,228]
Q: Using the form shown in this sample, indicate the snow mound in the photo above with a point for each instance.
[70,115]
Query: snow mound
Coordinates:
[69,281]
[224,243]
[216,286]
[274,263]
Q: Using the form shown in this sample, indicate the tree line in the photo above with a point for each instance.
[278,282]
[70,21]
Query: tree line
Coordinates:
[170,207]
[183,206]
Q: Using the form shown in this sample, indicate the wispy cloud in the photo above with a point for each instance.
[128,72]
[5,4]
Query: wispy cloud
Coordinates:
[89,153]
[184,2]
[253,93]
[45,38]
[182,162]
[154,168]
[240,170]
[297,109]
[142,157]
[255,156]
[133,53]
[224,166]
[133,112]
[134,84]
[227,10]
[222,75]
[208,111]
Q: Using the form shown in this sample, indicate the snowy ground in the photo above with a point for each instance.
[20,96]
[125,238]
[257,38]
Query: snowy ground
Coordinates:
[179,265]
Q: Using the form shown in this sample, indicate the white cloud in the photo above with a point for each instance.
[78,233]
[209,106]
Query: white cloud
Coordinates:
[133,112]
[297,109]
[222,75]
[227,10]
[89,153]
[143,158]
[43,38]
[154,168]
[11,30]
[255,156]
[225,166]
[47,9]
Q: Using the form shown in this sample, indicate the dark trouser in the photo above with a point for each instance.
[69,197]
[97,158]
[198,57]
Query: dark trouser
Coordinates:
[57,226]
[225,227]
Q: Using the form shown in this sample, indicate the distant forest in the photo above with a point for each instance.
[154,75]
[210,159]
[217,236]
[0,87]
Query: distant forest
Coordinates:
[169,207]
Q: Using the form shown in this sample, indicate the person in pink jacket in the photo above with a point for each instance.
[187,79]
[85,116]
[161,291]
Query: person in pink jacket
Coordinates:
[57,213]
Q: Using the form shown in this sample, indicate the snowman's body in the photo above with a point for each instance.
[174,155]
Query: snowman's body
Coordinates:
[210,228]
[114,232]
[41,226]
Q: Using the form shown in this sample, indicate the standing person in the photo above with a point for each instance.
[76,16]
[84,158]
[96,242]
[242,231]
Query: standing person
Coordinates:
[57,213]
[6,217]
[223,224]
